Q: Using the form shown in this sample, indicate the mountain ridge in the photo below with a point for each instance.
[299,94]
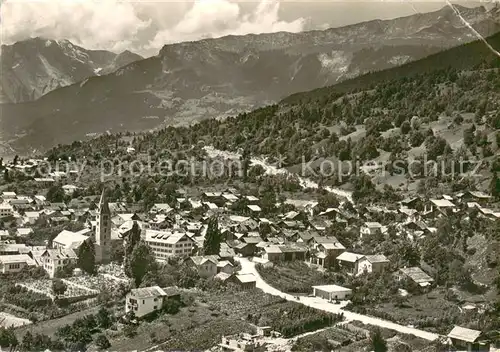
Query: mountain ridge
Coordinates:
[36,66]
[193,80]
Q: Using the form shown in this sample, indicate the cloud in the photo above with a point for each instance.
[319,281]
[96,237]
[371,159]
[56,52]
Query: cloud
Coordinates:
[143,27]
[103,24]
[216,18]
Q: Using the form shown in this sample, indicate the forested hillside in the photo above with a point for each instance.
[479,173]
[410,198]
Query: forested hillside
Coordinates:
[444,107]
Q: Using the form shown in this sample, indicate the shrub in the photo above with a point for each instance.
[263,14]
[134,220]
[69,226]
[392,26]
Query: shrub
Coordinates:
[58,287]
[130,330]
[102,342]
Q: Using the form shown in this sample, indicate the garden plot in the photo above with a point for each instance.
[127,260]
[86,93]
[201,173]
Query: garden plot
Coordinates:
[295,277]
[44,287]
[113,271]
[328,339]
[96,283]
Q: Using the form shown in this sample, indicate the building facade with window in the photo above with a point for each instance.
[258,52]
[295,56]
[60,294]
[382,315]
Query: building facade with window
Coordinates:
[165,244]
[15,263]
[6,210]
[143,301]
[52,260]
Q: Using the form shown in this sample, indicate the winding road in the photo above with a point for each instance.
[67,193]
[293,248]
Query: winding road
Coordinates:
[248,267]
[273,170]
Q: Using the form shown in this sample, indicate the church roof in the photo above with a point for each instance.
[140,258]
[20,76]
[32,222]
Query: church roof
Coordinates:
[103,203]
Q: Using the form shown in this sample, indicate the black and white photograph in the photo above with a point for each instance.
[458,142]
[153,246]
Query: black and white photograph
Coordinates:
[250,175]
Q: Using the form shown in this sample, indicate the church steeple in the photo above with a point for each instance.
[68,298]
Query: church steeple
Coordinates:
[103,230]
[103,203]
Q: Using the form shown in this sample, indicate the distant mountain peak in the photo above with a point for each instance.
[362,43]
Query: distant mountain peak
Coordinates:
[208,78]
[38,65]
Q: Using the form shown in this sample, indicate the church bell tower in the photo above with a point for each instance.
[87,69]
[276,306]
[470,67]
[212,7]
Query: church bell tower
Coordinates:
[103,231]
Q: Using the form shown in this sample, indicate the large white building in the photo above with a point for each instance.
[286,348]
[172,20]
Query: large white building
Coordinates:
[165,244]
[70,240]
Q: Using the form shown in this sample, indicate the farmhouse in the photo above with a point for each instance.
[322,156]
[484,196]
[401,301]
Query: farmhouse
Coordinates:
[31,217]
[293,252]
[205,265]
[417,275]
[412,203]
[242,342]
[370,228]
[143,301]
[161,208]
[252,199]
[349,262]
[372,264]
[229,197]
[69,189]
[273,253]
[327,250]
[9,195]
[225,266]
[24,231]
[474,196]
[245,281]
[439,204]
[54,259]
[255,209]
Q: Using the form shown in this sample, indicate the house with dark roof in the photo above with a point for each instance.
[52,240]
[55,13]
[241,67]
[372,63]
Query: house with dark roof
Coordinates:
[474,196]
[244,281]
[293,251]
[245,249]
[415,203]
[417,275]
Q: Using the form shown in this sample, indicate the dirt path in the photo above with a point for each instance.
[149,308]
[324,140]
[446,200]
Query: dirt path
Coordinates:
[273,170]
[249,267]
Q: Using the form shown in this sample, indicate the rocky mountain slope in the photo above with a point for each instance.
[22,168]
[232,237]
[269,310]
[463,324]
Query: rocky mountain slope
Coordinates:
[210,78]
[36,66]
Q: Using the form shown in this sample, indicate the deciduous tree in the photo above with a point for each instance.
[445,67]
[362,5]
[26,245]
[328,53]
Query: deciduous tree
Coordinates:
[377,341]
[58,287]
[102,342]
[86,258]
[141,262]
[213,237]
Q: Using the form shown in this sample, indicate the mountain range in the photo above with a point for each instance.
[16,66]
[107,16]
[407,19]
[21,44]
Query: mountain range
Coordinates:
[216,78]
[36,66]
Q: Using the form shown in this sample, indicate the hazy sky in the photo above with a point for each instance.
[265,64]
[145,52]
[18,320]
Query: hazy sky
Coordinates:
[145,26]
